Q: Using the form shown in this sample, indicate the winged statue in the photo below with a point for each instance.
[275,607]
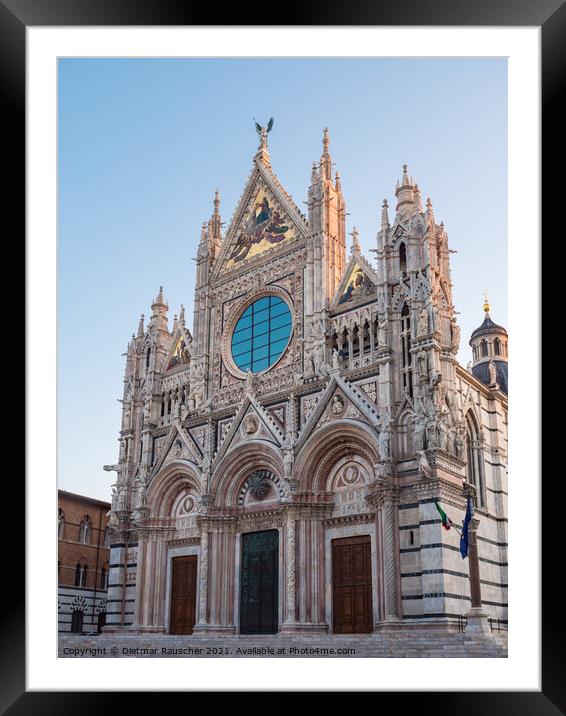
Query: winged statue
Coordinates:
[260,130]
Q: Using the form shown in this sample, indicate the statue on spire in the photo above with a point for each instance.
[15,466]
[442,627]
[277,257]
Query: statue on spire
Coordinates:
[263,131]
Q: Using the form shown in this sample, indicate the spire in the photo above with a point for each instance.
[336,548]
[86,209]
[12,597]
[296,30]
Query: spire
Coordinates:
[355,241]
[384,215]
[159,315]
[182,316]
[141,326]
[429,211]
[314,174]
[215,225]
[160,300]
[325,160]
[418,199]
[405,193]
[338,182]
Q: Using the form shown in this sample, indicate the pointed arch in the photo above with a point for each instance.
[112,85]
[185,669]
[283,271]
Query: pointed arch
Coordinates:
[165,488]
[237,465]
[403,258]
[329,444]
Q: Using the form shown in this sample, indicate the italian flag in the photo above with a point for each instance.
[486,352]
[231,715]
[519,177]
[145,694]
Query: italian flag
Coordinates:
[446,521]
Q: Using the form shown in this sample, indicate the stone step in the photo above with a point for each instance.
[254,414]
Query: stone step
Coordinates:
[420,644]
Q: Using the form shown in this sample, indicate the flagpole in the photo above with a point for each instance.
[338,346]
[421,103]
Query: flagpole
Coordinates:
[477,617]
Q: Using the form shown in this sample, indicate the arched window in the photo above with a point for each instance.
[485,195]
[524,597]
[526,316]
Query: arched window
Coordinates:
[473,466]
[403,258]
[497,347]
[61,524]
[103,578]
[483,345]
[406,358]
[147,358]
[345,345]
[356,341]
[77,621]
[81,572]
[106,537]
[366,340]
[85,530]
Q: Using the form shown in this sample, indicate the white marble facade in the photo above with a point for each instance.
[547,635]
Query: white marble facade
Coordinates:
[362,423]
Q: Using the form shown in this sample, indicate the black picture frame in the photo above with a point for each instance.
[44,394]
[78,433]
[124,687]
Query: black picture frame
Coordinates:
[15,17]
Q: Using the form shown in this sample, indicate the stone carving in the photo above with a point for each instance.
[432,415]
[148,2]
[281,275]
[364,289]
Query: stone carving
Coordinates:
[424,465]
[384,443]
[422,365]
[350,474]
[370,389]
[337,405]
[382,333]
[492,373]
[335,359]
[249,381]
[188,504]
[251,425]
[422,325]
[258,486]
[454,334]
[309,405]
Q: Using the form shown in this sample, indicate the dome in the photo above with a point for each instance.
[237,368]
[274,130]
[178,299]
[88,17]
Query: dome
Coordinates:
[488,326]
[481,372]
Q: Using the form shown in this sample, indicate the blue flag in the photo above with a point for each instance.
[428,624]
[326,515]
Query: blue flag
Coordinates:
[465,529]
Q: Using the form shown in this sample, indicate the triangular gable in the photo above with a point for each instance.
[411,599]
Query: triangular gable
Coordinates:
[355,404]
[179,354]
[266,428]
[189,450]
[266,218]
[358,283]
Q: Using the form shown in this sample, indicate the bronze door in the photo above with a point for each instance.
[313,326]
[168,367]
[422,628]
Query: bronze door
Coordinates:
[351,585]
[259,592]
[183,594]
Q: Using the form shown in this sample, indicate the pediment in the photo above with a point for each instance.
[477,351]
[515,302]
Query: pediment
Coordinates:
[339,400]
[266,219]
[178,446]
[251,422]
[358,283]
[179,354]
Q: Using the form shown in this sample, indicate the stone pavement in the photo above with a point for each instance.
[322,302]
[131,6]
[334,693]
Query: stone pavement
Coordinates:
[421,644]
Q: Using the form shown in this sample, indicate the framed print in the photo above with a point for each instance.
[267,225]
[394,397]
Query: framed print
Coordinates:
[272,380]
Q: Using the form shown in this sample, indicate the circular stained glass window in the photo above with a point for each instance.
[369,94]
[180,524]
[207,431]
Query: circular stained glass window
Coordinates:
[261,334]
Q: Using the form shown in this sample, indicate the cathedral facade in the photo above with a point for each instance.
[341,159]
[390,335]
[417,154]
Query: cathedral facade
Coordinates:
[279,465]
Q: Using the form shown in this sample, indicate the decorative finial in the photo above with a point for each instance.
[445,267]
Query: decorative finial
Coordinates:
[486,305]
[140,326]
[325,160]
[406,181]
[384,215]
[338,182]
[325,139]
[418,198]
[216,201]
[314,173]
[182,315]
[355,242]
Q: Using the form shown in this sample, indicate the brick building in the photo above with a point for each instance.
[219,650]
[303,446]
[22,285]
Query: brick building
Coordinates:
[83,562]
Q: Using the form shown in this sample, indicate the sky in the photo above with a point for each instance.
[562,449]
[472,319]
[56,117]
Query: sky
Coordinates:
[144,143]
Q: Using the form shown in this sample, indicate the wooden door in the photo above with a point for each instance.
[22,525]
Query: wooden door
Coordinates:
[183,594]
[259,589]
[351,585]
